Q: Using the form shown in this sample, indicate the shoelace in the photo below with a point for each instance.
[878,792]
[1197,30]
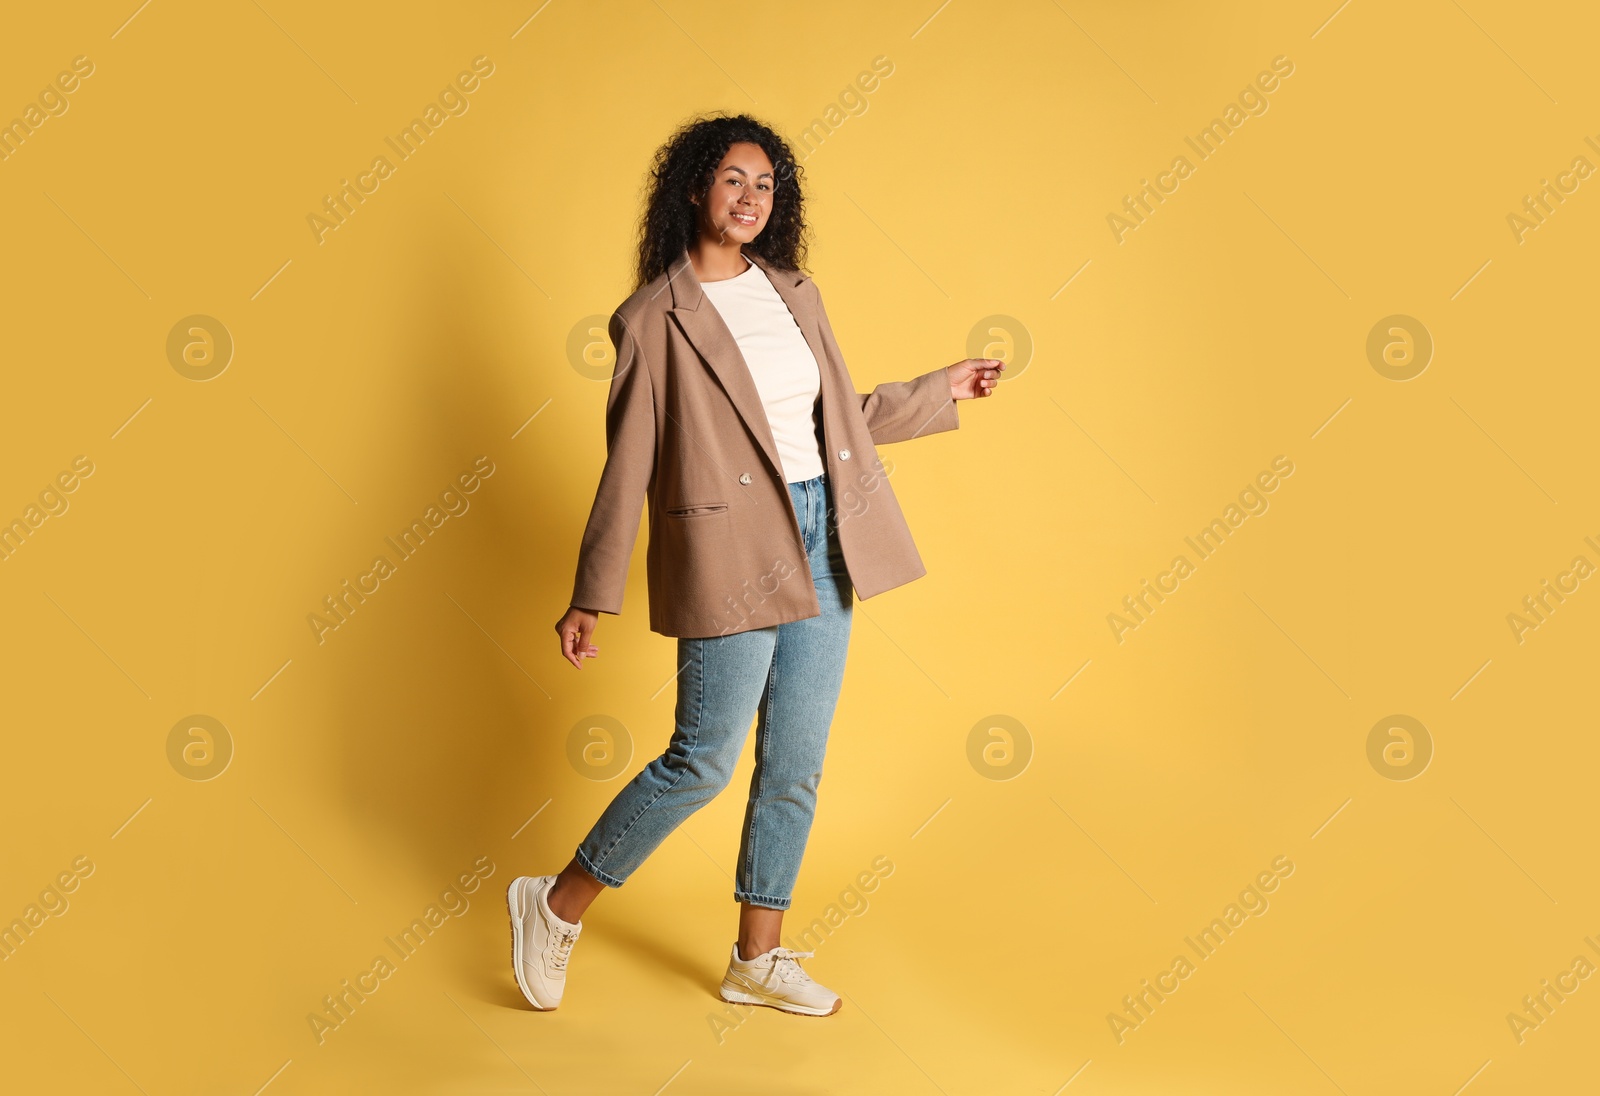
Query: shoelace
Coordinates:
[564,940]
[785,967]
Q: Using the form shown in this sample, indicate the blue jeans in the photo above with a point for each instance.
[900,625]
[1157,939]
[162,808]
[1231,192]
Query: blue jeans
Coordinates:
[787,678]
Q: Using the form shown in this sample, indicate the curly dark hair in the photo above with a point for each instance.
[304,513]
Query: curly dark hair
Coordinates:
[686,164]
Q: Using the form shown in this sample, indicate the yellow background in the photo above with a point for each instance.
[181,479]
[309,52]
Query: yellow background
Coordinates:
[1230,728]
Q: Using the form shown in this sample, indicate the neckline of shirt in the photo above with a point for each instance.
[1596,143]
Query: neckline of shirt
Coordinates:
[745,273]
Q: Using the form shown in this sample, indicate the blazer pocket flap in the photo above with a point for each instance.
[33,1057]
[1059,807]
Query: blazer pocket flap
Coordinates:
[696,510]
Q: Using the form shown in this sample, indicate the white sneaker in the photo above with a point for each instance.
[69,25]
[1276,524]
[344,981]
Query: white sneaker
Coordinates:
[540,941]
[773,978]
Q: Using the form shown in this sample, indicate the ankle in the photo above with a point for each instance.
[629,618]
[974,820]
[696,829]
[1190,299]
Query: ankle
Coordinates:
[556,899]
[748,952]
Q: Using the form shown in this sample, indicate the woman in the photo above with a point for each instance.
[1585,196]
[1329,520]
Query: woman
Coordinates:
[732,417]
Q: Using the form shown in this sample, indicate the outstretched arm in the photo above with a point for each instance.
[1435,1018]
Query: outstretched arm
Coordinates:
[909,409]
[900,410]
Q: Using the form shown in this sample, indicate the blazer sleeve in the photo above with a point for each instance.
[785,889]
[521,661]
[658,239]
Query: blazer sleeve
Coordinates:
[901,410]
[613,524]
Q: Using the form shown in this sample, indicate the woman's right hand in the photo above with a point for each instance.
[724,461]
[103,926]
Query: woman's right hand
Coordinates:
[575,629]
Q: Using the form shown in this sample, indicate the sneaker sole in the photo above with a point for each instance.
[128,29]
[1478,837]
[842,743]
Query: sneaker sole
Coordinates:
[738,997]
[514,905]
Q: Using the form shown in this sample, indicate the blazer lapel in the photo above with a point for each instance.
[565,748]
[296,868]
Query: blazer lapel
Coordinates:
[705,329]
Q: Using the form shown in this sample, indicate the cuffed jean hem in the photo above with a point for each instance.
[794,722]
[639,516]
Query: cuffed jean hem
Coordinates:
[761,899]
[588,865]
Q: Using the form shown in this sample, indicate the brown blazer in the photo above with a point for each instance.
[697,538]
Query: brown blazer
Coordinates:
[687,434]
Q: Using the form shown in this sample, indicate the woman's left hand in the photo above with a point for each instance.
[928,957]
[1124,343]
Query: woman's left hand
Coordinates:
[974,377]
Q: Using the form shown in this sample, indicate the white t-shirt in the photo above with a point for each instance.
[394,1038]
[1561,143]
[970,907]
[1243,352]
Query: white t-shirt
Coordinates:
[780,360]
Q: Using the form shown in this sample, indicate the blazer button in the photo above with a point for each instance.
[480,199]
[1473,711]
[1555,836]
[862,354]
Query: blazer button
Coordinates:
[844,454]
[745,478]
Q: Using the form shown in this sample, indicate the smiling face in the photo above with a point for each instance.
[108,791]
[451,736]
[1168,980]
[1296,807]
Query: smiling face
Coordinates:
[737,206]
